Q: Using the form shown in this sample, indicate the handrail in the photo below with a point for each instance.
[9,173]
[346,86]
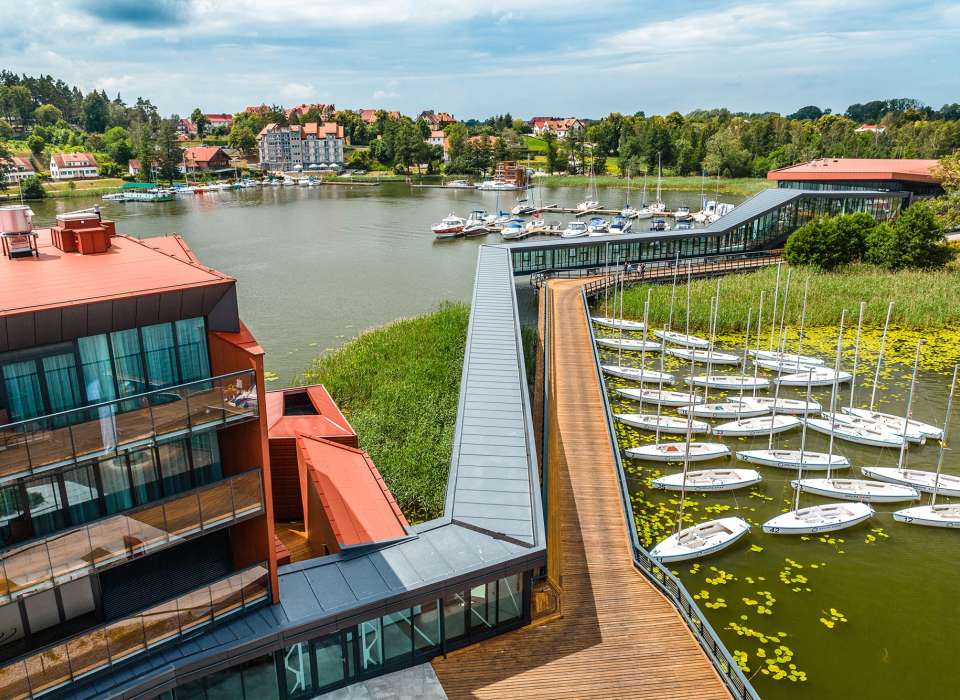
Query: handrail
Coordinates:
[660,576]
[544,421]
[66,661]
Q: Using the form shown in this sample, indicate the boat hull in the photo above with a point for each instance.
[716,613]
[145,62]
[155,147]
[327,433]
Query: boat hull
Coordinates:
[946,516]
[732,383]
[724,410]
[790,459]
[949,485]
[860,490]
[667,424]
[709,480]
[664,398]
[757,426]
[789,406]
[727,531]
[687,341]
[629,344]
[895,423]
[638,375]
[703,356]
[823,518]
[678,452]
[823,378]
[617,324]
[850,434]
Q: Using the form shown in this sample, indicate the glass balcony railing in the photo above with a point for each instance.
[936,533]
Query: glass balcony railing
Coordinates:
[99,648]
[114,540]
[88,432]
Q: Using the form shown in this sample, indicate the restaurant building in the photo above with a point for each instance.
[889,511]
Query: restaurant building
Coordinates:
[910,175]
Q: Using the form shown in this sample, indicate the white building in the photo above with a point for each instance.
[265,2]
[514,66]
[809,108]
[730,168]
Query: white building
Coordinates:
[307,146]
[438,137]
[18,168]
[72,166]
[561,128]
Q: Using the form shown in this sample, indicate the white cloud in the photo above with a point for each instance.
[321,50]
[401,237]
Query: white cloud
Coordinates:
[298,91]
[115,84]
[384,94]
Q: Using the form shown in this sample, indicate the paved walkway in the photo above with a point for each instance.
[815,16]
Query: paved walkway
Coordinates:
[617,637]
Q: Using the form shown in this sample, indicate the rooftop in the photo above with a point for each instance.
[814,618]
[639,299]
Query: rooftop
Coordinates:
[130,268]
[913,170]
[324,420]
[357,502]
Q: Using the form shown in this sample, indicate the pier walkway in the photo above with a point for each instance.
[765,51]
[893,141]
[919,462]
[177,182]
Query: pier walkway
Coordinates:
[617,636]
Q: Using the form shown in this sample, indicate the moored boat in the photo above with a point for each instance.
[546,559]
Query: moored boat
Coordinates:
[791,459]
[730,382]
[761,425]
[700,540]
[708,480]
[724,410]
[679,451]
[703,356]
[449,227]
[826,517]
[660,396]
[683,339]
[630,344]
[638,375]
[574,229]
[664,424]
[863,490]
[618,323]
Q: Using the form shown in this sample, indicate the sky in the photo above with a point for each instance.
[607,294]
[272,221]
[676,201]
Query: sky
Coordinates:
[475,58]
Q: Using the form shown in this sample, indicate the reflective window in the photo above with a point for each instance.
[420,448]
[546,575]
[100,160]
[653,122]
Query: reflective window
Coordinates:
[260,679]
[296,667]
[192,349]
[13,520]
[46,505]
[330,660]
[128,361]
[175,467]
[146,485]
[206,457]
[80,485]
[63,387]
[224,685]
[509,598]
[455,615]
[483,606]
[371,653]
[161,357]
[117,495]
[22,386]
[397,640]
[426,626]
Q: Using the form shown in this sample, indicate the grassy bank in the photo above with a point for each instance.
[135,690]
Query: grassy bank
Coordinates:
[742,186]
[63,190]
[399,385]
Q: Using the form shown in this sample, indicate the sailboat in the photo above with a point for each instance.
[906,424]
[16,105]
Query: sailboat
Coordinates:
[638,374]
[628,211]
[659,396]
[644,212]
[709,480]
[717,358]
[658,207]
[944,515]
[683,339]
[591,203]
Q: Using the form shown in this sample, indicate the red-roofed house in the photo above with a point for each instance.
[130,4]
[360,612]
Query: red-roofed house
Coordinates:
[369,116]
[561,128]
[205,158]
[221,122]
[259,110]
[73,166]
[325,111]
[438,137]
[436,120]
[18,168]
[346,502]
[186,127]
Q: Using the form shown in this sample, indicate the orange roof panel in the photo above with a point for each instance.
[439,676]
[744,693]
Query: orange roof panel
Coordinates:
[355,499]
[328,422]
[827,169]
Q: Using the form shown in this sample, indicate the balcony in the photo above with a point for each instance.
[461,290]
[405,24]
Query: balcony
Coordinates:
[99,648]
[114,540]
[61,439]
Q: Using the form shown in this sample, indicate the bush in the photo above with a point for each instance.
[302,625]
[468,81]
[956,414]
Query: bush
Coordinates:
[829,243]
[916,240]
[32,189]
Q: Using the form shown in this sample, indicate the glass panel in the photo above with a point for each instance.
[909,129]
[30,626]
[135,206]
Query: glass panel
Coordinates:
[159,351]
[182,515]
[148,528]
[454,615]
[108,540]
[22,385]
[260,679]
[63,387]
[94,430]
[125,637]
[296,667]
[88,652]
[510,598]
[117,495]
[329,654]
[426,626]
[96,368]
[205,402]
[191,691]
[216,504]
[13,681]
[371,652]
[82,497]
[46,506]
[397,641]
[225,685]
[170,412]
[192,349]
[481,613]
[226,596]
[240,394]
[133,421]
[161,622]
[49,669]
[14,457]
[174,467]
[14,526]
[246,493]
[128,362]
[27,568]
[146,486]
[194,608]
[206,458]
[70,554]
[254,584]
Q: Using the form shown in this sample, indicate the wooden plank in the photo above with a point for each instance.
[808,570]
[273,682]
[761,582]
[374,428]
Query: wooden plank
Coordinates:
[618,636]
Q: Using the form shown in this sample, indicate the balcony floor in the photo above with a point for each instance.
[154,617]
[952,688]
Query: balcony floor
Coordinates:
[294,538]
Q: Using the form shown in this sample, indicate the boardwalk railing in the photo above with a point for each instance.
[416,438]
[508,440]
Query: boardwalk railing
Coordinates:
[658,574]
[660,270]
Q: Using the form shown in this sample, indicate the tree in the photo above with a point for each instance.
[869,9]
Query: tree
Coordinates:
[829,243]
[6,130]
[96,111]
[116,142]
[169,153]
[554,161]
[457,135]
[6,163]
[809,112]
[726,154]
[143,140]
[241,138]
[47,114]
[32,189]
[200,121]
[36,144]
[916,240]
[16,102]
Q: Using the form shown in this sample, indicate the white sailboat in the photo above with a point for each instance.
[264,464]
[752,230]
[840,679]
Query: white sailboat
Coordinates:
[665,424]
[785,357]
[790,406]
[628,211]
[763,425]
[717,358]
[818,376]
[678,451]
[709,480]
[895,423]
[660,396]
[644,212]
[591,203]
[625,324]
[911,432]
[630,344]
[728,382]
[683,339]
[637,374]
[725,409]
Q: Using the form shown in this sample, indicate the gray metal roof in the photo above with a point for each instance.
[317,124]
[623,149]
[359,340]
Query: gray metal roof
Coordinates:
[757,205]
[492,525]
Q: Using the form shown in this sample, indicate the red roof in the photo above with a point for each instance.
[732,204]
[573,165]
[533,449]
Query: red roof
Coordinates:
[85,160]
[129,268]
[219,117]
[357,502]
[203,154]
[830,169]
[328,422]
[323,129]
[22,164]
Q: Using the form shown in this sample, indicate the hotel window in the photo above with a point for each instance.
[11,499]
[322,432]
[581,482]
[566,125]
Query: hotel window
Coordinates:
[160,353]
[397,636]
[143,469]
[298,673]
[21,383]
[128,362]
[192,349]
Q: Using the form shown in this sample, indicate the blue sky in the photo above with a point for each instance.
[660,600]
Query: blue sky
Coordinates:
[479,57]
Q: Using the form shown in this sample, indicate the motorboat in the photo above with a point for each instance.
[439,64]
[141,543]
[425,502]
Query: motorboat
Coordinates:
[114,197]
[618,323]
[620,224]
[588,205]
[537,225]
[659,225]
[597,226]
[645,212]
[476,223]
[939,515]
[664,424]
[791,459]
[682,214]
[449,227]
[461,185]
[785,357]
[782,405]
[926,481]
[700,540]
[630,212]
[683,226]
[762,425]
[663,397]
[689,341]
[720,210]
[855,433]
[513,229]
[826,517]
[724,409]
[814,376]
[287,182]
[496,186]
[911,432]
[638,375]
[522,208]
[574,229]
[706,356]
[679,451]
[629,344]
[895,423]
[863,490]
[729,382]
[708,480]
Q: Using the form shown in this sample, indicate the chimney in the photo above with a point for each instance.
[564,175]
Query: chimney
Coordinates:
[82,232]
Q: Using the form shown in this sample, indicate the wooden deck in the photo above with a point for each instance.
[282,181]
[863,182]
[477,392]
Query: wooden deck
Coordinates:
[618,637]
[294,537]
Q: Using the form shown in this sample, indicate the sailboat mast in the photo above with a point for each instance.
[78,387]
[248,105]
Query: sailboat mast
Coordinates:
[686,452]
[776,396]
[783,310]
[856,354]
[756,367]
[659,175]
[906,417]
[673,293]
[688,301]
[883,345]
[746,345]
[643,349]
[776,298]
[943,438]
[803,448]
[620,326]
[803,315]
[713,315]
[833,391]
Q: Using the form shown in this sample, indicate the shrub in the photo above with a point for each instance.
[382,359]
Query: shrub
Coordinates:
[916,240]
[32,189]
[828,243]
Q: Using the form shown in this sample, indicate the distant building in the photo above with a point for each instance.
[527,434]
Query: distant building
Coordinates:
[259,110]
[483,140]
[869,129]
[200,158]
[309,146]
[369,116]
[438,137]
[325,111]
[73,166]
[186,127]
[511,171]
[221,122]
[133,167]
[913,176]
[561,128]
[436,120]
[19,168]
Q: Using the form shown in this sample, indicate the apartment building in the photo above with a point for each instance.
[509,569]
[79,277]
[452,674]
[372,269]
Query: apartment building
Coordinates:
[301,147]
[73,166]
[135,500]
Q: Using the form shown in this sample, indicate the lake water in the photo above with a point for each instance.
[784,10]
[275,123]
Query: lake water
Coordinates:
[316,266]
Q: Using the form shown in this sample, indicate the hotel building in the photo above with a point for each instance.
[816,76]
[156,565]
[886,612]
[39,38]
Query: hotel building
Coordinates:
[299,147]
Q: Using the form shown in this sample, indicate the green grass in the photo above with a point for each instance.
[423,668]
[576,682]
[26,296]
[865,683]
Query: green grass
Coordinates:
[922,300]
[742,186]
[399,386]
[535,143]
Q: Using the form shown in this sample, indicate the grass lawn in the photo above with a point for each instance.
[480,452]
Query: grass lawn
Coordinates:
[742,186]
[399,386]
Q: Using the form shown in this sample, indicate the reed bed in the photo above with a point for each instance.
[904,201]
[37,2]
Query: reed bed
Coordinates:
[399,386]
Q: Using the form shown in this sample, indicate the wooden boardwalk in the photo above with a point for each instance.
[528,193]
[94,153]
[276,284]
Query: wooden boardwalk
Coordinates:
[618,637]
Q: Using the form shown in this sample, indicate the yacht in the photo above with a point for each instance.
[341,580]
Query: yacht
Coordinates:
[449,227]
[575,229]
[513,230]
[682,214]
[630,212]
[496,185]
[683,226]
[522,207]
[476,223]
[461,184]
[597,226]
[620,224]
[659,225]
